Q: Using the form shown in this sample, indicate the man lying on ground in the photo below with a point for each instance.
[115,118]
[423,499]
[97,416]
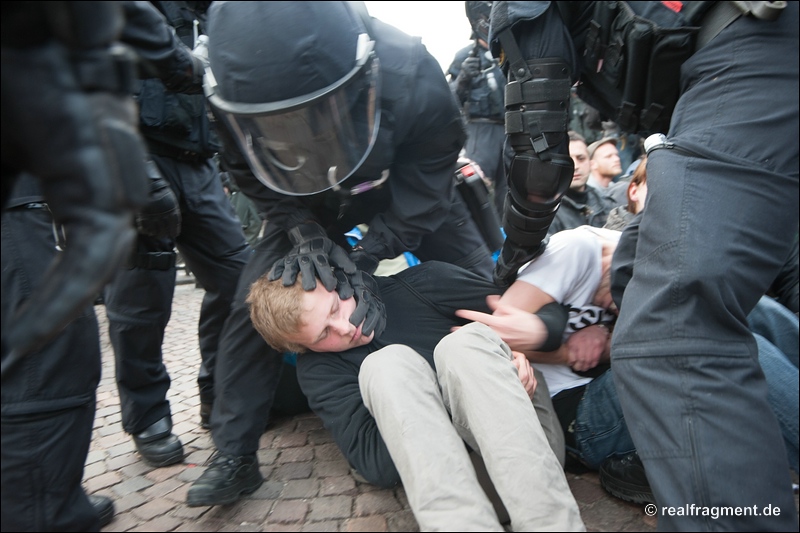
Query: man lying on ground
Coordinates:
[401,402]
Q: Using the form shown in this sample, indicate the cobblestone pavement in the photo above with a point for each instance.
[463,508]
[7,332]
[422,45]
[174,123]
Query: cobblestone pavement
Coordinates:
[308,484]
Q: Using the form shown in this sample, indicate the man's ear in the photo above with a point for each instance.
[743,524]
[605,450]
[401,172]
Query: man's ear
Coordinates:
[633,192]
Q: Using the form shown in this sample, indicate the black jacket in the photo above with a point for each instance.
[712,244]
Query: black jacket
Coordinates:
[572,213]
[420,305]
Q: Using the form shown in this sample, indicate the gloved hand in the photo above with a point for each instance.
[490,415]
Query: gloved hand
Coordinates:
[314,255]
[161,216]
[369,306]
[364,260]
[511,258]
[470,69]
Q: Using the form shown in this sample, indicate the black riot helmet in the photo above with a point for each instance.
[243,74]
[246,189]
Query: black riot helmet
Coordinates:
[297,84]
[478,15]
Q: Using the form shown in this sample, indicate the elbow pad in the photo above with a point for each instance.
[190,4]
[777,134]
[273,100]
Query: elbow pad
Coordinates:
[537,118]
[540,172]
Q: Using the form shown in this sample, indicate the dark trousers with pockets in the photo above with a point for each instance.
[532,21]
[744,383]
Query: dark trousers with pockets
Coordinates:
[139,300]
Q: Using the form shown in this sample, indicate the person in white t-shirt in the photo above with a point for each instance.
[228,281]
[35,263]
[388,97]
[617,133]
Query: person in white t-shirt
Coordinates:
[574,270]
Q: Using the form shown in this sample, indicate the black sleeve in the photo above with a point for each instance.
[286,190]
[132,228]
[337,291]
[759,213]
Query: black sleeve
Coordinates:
[421,178]
[161,54]
[330,382]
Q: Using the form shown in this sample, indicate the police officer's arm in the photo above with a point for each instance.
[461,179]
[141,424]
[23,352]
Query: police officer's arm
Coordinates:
[330,382]
[542,66]
[82,143]
[161,54]
[421,178]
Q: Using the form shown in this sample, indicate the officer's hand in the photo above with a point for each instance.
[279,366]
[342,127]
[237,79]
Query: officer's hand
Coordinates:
[364,261]
[471,67]
[161,215]
[314,255]
[369,306]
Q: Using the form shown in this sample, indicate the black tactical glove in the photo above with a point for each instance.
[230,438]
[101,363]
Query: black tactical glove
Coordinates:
[314,255]
[364,261]
[511,258]
[369,306]
[161,216]
[470,69]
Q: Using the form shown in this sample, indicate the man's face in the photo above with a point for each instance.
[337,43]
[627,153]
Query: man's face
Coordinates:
[606,160]
[327,326]
[583,167]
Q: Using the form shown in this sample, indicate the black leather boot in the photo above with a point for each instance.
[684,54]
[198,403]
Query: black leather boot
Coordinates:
[624,477]
[157,445]
[104,507]
[225,480]
[205,415]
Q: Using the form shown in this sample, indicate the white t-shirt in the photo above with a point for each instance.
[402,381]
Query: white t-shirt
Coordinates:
[570,271]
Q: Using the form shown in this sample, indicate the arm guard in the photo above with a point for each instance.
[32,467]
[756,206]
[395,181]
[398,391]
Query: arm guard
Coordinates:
[537,118]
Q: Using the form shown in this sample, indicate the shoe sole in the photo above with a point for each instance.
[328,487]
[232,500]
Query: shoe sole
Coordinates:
[158,461]
[626,492]
[204,498]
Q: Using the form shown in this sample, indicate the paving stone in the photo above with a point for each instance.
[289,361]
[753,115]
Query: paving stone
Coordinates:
[377,502]
[288,511]
[369,523]
[329,507]
[300,488]
[338,485]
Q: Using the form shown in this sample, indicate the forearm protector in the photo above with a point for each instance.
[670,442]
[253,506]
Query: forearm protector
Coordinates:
[540,172]
[83,144]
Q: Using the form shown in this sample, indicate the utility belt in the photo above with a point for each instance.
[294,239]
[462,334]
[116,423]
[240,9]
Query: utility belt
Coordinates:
[485,120]
[630,71]
[110,69]
[152,260]
[174,152]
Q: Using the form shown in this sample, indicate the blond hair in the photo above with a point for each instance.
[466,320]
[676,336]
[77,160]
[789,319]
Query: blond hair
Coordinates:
[277,312]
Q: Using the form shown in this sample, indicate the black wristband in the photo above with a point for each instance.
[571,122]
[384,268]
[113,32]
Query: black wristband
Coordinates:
[555,316]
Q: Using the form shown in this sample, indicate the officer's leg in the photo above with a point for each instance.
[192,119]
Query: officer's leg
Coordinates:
[686,364]
[215,250]
[458,241]
[48,398]
[138,305]
[245,379]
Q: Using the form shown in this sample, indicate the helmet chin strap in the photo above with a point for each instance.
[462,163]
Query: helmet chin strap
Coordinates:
[345,193]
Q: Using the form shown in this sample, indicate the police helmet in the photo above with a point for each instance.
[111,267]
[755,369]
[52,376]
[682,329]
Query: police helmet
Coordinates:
[478,15]
[298,85]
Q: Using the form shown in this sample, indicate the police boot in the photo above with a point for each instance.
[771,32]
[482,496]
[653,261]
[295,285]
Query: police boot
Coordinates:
[205,415]
[624,477]
[157,445]
[226,479]
[104,507]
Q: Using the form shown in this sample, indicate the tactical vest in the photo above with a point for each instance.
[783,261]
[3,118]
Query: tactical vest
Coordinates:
[630,70]
[177,120]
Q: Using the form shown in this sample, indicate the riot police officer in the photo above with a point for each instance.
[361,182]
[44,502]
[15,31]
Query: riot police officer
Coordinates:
[479,83]
[182,143]
[334,119]
[72,165]
[684,360]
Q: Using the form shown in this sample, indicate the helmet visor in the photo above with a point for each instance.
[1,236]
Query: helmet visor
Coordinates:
[308,144]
